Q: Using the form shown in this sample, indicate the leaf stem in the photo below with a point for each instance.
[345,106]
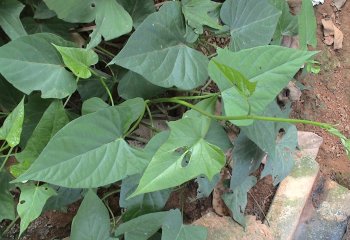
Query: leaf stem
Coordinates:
[68,98]
[10,226]
[6,158]
[110,194]
[4,146]
[150,117]
[107,90]
[137,122]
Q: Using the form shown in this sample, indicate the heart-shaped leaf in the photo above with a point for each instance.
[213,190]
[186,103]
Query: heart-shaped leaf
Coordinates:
[9,18]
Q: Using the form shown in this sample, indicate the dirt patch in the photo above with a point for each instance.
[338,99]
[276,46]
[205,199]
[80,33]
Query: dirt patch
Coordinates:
[328,97]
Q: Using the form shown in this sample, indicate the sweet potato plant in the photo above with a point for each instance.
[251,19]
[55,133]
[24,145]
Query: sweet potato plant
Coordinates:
[79,79]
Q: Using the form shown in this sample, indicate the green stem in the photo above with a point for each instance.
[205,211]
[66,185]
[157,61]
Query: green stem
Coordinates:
[6,158]
[10,226]
[197,97]
[138,121]
[242,117]
[110,194]
[107,53]
[4,146]
[150,117]
[107,90]
[68,98]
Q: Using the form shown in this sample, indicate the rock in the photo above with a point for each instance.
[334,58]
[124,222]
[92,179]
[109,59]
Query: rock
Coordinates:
[330,219]
[293,192]
[339,3]
[224,228]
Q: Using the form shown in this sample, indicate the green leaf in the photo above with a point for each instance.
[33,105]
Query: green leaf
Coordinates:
[92,220]
[157,51]
[12,127]
[78,60]
[246,159]
[143,227]
[43,12]
[138,9]
[287,24]
[185,155]
[64,197]
[270,67]
[205,187]
[92,87]
[53,119]
[196,13]
[112,21]
[74,11]
[236,79]
[9,18]
[31,203]
[31,63]
[237,199]
[252,23]
[345,141]
[33,111]
[279,147]
[141,204]
[84,154]
[7,206]
[52,25]
[93,105]
[133,85]
[307,25]
[9,96]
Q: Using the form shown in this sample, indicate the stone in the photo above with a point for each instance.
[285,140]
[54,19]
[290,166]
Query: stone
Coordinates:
[293,191]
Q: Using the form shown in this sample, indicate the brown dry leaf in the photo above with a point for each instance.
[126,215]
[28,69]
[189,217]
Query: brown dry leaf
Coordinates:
[339,3]
[332,35]
[219,205]
[338,38]
[328,27]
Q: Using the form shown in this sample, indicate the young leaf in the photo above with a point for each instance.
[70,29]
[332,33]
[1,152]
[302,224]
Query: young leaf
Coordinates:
[185,155]
[287,24]
[112,21]
[157,51]
[237,199]
[196,14]
[235,78]
[143,227]
[84,154]
[252,23]
[7,206]
[9,18]
[78,60]
[307,25]
[12,127]
[270,67]
[53,119]
[92,220]
[31,203]
[31,63]
[138,9]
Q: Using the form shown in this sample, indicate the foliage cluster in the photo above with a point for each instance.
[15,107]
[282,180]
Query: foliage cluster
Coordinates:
[78,78]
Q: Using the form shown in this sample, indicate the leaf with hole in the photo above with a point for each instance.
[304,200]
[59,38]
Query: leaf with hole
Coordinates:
[31,203]
[103,157]
[157,51]
[31,63]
